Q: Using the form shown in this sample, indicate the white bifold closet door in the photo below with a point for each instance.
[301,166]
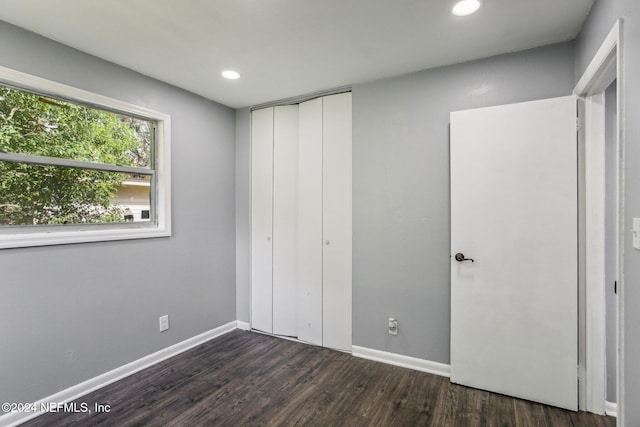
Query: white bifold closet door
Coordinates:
[262,220]
[285,218]
[336,221]
[301,221]
[324,219]
[310,244]
[274,184]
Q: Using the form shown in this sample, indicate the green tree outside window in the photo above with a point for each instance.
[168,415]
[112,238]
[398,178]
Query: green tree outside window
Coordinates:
[32,194]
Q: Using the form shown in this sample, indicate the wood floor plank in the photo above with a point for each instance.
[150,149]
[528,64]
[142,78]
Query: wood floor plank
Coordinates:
[246,378]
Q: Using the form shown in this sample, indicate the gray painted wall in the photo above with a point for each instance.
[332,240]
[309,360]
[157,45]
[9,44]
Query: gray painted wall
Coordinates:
[243,217]
[69,313]
[600,21]
[401,226]
[401,190]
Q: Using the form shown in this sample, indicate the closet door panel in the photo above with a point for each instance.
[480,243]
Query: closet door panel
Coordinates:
[261,219]
[309,316]
[285,222]
[337,221]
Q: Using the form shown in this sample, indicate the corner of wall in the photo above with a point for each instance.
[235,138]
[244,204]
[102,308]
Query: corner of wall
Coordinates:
[243,191]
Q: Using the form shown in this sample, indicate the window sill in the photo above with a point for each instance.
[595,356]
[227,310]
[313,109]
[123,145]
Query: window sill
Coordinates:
[49,238]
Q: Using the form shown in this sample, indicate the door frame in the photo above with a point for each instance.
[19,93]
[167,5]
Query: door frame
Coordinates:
[605,67]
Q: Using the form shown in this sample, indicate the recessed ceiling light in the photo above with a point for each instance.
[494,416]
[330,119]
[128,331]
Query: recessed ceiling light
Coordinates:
[465,7]
[230,74]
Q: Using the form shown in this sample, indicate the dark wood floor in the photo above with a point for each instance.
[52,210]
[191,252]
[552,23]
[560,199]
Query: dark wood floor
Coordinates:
[245,378]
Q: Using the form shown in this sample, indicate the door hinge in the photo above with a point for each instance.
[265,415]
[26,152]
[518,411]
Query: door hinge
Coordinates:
[579,124]
[615,287]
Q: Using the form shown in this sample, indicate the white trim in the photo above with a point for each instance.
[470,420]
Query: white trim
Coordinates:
[79,390]
[250,215]
[303,98]
[44,86]
[52,236]
[604,68]
[415,363]
[244,326]
[594,150]
[621,141]
[611,409]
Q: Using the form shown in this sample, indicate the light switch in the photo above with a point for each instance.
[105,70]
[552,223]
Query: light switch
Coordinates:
[636,233]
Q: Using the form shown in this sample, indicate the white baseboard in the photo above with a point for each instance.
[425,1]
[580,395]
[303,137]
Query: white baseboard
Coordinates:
[245,326]
[403,361]
[611,408]
[72,393]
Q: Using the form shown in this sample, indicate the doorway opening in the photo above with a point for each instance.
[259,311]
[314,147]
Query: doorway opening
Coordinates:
[601,142]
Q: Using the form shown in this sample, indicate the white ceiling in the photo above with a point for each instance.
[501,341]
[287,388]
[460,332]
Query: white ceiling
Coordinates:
[286,48]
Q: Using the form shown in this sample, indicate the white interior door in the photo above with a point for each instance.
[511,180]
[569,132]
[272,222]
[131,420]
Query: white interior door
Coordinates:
[262,219]
[285,218]
[336,154]
[514,212]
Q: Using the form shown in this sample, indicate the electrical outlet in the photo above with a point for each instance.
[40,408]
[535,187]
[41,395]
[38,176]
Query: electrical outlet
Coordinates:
[164,322]
[393,326]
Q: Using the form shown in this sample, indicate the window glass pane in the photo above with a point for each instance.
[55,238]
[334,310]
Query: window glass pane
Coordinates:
[42,195]
[37,125]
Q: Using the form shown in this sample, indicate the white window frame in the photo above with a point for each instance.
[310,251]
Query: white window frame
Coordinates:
[65,234]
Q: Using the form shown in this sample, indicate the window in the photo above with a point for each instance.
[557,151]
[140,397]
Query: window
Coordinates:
[79,167]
